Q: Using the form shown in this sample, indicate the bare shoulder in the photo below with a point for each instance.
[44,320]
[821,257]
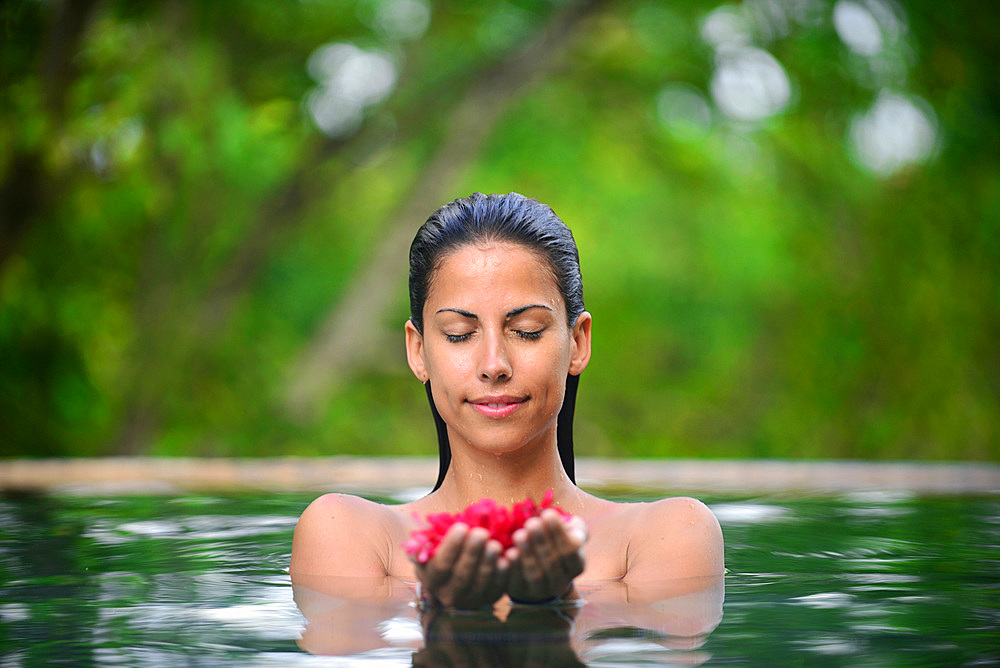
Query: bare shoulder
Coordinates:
[674,537]
[341,534]
[679,509]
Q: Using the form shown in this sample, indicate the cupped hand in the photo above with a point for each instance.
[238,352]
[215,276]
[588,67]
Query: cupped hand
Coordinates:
[547,555]
[468,570]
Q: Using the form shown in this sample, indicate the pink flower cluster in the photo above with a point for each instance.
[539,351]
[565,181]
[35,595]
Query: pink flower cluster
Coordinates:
[501,521]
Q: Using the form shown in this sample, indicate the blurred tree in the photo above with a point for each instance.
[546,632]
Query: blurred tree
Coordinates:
[342,344]
[787,212]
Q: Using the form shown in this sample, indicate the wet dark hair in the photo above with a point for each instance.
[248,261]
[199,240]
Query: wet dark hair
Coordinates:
[510,218]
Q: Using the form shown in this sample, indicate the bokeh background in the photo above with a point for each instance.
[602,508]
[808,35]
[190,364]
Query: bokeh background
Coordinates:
[788,214]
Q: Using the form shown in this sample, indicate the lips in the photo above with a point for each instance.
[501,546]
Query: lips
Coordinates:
[498,407]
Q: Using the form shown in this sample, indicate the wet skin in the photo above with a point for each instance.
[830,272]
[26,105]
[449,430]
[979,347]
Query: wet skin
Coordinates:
[497,347]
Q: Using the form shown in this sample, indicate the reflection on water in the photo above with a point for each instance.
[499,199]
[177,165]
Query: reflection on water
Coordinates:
[865,579]
[661,622]
[537,636]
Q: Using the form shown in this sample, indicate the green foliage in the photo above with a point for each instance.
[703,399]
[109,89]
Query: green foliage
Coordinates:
[175,230]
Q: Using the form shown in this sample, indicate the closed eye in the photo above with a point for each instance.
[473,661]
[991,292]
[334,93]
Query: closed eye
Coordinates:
[529,336]
[458,338]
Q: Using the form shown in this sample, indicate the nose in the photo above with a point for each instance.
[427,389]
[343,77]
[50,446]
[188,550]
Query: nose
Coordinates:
[494,364]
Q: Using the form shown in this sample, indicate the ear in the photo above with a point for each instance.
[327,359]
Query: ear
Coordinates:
[580,340]
[415,352]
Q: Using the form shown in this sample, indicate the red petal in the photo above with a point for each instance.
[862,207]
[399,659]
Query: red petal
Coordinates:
[501,522]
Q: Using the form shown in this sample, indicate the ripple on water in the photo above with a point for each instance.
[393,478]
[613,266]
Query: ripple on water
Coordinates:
[400,630]
[210,527]
[880,497]
[826,600]
[830,645]
[746,512]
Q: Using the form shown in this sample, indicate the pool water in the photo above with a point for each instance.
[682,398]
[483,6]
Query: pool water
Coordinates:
[861,580]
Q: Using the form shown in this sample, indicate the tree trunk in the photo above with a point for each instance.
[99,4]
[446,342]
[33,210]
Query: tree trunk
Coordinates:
[28,190]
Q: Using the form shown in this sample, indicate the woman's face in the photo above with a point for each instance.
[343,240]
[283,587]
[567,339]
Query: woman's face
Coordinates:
[496,346]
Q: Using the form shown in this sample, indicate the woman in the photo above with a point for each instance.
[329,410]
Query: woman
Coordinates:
[499,335]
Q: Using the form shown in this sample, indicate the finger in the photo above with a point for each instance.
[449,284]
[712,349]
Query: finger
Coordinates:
[539,545]
[568,534]
[466,568]
[493,570]
[529,580]
[440,567]
[504,574]
[533,567]
[487,564]
[567,542]
[561,550]
[548,538]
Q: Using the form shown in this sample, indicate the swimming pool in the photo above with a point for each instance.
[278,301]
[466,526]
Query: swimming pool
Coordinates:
[855,579]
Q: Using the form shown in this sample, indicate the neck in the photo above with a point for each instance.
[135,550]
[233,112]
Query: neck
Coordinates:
[506,478]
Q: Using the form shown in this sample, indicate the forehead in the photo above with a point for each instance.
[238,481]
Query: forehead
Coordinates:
[491,271]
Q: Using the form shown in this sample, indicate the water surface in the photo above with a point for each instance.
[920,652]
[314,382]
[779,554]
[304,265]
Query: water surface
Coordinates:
[865,579]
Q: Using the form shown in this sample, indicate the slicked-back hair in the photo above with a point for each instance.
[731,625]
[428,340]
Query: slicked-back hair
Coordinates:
[480,218]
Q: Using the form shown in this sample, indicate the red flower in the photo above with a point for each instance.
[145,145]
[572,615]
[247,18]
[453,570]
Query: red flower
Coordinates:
[499,520]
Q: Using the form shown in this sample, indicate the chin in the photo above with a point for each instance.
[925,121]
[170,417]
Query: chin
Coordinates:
[502,441]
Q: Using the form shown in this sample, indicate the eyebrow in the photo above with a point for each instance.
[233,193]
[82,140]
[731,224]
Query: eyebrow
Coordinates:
[510,314]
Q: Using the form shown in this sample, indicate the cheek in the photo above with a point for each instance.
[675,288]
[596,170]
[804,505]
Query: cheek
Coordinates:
[447,366]
[553,358]
[548,368]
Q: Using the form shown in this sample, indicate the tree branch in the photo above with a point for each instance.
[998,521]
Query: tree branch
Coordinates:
[344,342]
